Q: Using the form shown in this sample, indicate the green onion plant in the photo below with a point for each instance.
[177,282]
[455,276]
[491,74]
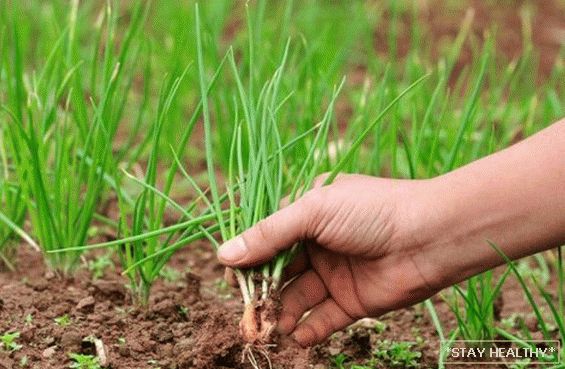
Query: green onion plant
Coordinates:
[60,141]
[146,244]
[544,323]
[12,212]
[477,321]
[263,172]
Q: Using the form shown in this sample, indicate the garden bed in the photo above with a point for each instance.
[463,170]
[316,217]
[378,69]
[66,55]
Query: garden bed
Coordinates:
[191,322]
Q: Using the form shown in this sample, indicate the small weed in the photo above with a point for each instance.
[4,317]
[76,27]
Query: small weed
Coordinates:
[153,364]
[8,341]
[170,274]
[28,320]
[398,354]
[417,334]
[98,266]
[380,327]
[393,354]
[63,320]
[24,361]
[222,288]
[80,361]
[511,322]
[183,310]
[339,361]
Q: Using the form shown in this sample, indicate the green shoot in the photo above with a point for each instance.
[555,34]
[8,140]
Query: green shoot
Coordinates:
[99,265]
[537,309]
[12,211]
[398,354]
[81,361]
[63,320]
[264,173]
[477,321]
[8,341]
[60,142]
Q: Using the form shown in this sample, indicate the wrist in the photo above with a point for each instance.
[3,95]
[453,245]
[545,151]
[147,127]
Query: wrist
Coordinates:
[453,229]
[513,198]
[479,204]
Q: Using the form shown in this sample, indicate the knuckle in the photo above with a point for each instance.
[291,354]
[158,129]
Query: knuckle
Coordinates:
[320,179]
[310,332]
[264,229]
[293,315]
[313,199]
[327,324]
[314,205]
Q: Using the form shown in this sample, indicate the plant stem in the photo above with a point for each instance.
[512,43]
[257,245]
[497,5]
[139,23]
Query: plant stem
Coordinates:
[242,281]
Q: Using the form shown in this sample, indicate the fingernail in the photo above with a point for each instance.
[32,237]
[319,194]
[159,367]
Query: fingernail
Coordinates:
[233,250]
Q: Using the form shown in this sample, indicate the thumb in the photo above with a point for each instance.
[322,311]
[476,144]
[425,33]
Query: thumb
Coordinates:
[271,235]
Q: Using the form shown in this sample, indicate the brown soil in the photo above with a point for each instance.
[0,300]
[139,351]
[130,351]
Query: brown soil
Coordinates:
[205,335]
[440,21]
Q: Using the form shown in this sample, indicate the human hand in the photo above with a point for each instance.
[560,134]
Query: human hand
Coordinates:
[375,245]
[360,257]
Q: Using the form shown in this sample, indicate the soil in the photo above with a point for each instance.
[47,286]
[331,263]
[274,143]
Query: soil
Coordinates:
[440,21]
[189,323]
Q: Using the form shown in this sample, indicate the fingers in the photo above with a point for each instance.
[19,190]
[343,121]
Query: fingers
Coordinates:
[267,238]
[285,202]
[319,180]
[325,319]
[301,295]
[297,266]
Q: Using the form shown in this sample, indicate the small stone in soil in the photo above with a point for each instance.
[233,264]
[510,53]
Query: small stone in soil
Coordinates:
[110,288]
[48,352]
[38,285]
[101,352]
[123,351]
[164,308]
[71,338]
[86,304]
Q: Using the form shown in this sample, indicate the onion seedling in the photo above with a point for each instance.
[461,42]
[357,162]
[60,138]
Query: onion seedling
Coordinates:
[542,322]
[143,252]
[258,168]
[60,143]
[477,321]
[12,211]
[263,173]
